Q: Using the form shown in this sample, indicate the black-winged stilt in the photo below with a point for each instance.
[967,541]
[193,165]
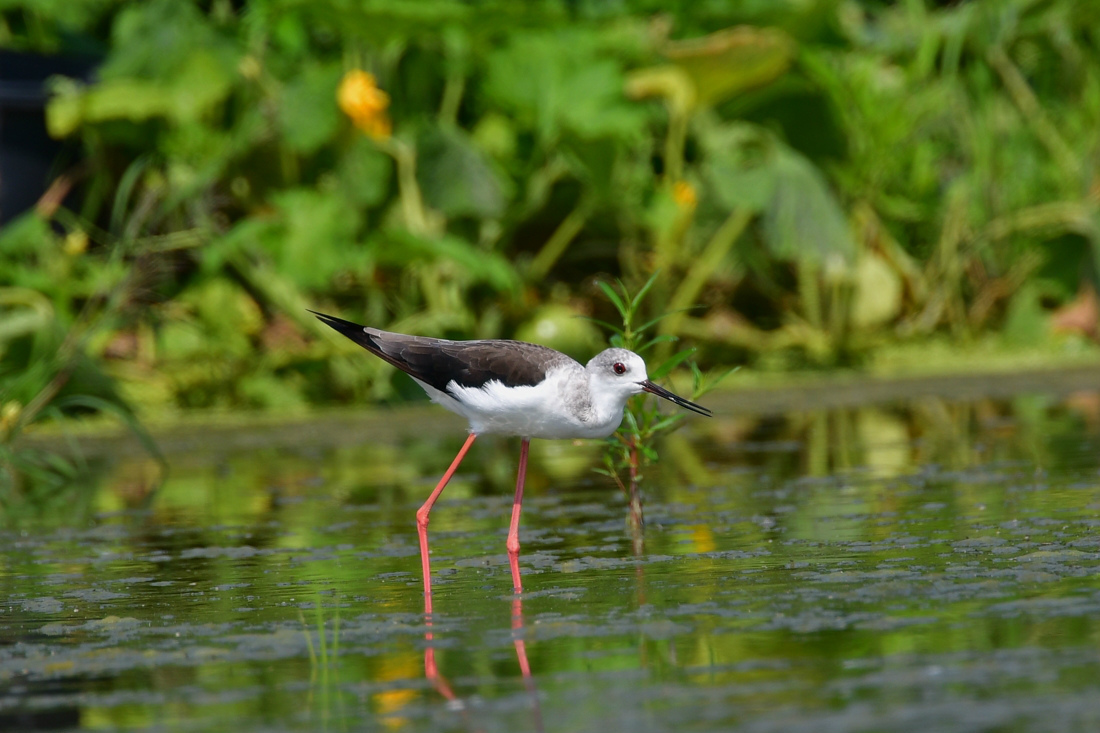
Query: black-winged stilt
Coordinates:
[511,388]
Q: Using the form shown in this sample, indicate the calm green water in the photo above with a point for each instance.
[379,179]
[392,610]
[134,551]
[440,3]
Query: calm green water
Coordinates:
[921,566]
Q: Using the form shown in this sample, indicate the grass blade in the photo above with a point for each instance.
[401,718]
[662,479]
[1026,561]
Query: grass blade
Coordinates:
[665,338]
[605,324]
[671,363]
[637,299]
[128,418]
[614,298]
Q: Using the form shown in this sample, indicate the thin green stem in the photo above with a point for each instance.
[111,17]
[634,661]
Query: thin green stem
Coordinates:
[1025,100]
[674,144]
[412,202]
[559,241]
[704,266]
[453,90]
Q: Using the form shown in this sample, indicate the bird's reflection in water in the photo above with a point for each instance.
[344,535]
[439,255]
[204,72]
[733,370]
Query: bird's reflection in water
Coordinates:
[524,665]
[439,682]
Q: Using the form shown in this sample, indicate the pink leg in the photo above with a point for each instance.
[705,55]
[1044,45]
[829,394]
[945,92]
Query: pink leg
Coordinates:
[422,520]
[517,505]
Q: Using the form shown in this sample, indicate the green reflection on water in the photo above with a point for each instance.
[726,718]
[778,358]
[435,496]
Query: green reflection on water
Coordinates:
[927,566]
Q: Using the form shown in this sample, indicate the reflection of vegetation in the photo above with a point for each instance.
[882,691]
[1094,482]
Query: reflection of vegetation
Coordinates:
[822,178]
[324,663]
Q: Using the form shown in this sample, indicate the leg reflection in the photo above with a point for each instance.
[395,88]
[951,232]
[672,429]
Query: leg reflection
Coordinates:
[524,665]
[431,671]
[439,682]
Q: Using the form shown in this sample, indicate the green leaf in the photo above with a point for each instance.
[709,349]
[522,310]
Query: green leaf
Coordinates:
[167,60]
[631,421]
[804,221]
[664,338]
[653,322]
[740,167]
[202,83]
[595,161]
[225,319]
[555,92]
[400,247]
[22,312]
[640,295]
[307,114]
[671,363]
[614,298]
[610,327]
[457,178]
[365,173]
[24,236]
[312,236]
[668,421]
[733,60]
[156,40]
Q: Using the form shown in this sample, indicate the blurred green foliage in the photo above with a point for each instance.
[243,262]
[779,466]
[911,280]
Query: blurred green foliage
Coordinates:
[811,179]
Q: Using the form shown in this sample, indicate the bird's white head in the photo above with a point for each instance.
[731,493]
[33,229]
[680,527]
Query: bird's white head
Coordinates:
[616,375]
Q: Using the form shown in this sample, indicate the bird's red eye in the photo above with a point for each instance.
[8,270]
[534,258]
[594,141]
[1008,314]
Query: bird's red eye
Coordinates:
[619,368]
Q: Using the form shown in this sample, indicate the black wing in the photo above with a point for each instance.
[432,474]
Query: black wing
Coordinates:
[438,362]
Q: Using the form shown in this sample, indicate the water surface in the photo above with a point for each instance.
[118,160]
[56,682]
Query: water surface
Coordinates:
[919,565]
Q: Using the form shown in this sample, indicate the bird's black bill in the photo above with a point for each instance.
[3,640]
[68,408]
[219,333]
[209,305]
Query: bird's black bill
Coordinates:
[652,388]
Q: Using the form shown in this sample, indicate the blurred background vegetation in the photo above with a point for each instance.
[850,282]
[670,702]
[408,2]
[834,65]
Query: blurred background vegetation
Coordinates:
[832,184]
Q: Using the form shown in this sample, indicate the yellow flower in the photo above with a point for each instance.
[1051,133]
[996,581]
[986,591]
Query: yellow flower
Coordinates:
[9,415]
[76,242]
[361,100]
[684,195]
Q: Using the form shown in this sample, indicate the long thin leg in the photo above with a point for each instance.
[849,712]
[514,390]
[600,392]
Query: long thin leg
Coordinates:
[422,520]
[517,505]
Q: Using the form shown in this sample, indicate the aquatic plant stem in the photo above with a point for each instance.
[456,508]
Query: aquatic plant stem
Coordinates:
[637,515]
[637,518]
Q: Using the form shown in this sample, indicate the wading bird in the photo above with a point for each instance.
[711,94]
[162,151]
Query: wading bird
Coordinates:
[511,388]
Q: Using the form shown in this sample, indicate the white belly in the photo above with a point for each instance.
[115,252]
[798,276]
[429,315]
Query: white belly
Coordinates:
[527,412]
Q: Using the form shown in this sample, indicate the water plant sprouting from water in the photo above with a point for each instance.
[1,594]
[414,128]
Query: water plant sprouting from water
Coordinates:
[631,448]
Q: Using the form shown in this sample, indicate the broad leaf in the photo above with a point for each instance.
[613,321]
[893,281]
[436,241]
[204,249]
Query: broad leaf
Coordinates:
[308,116]
[456,178]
